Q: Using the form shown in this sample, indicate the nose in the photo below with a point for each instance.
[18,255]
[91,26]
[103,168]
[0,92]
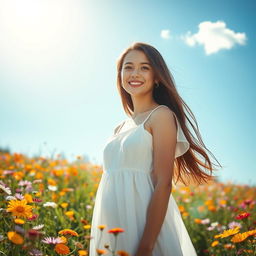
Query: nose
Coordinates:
[135,72]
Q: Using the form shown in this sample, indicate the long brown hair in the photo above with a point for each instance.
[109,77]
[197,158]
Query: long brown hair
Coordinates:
[188,166]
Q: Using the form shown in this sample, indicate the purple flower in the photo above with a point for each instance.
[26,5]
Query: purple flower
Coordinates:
[52,240]
[24,183]
[19,229]
[35,252]
[19,196]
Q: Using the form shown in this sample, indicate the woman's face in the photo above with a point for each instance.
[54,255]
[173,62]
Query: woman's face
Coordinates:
[137,74]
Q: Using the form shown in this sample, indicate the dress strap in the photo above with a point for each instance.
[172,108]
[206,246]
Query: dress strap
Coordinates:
[152,112]
[120,127]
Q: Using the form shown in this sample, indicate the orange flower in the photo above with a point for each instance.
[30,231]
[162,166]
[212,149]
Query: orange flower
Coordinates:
[116,231]
[198,221]
[82,253]
[251,232]
[185,214]
[181,208]
[240,237]
[208,202]
[212,208]
[122,253]
[61,249]
[100,252]
[68,232]
[15,237]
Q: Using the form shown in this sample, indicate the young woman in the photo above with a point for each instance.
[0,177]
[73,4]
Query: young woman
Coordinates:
[148,151]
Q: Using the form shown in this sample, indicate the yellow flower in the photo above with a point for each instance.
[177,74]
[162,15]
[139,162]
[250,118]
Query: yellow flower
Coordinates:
[19,221]
[29,198]
[64,240]
[87,226]
[61,249]
[101,227]
[228,232]
[223,202]
[69,213]
[64,205]
[68,232]
[62,193]
[15,237]
[214,243]
[82,253]
[240,237]
[208,202]
[185,214]
[19,208]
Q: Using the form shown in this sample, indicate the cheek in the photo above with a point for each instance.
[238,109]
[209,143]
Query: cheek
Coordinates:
[149,76]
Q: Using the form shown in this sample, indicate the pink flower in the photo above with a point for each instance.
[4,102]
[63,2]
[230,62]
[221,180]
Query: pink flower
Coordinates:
[234,224]
[205,221]
[52,240]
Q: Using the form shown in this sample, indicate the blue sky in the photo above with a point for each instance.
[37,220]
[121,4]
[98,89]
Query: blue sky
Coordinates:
[58,73]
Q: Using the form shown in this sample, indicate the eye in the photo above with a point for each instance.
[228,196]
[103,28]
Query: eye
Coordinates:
[145,67]
[127,67]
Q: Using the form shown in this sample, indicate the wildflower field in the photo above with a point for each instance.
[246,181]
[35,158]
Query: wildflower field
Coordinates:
[46,209]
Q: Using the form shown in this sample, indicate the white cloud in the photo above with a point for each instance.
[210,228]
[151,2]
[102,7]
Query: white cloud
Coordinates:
[165,33]
[214,36]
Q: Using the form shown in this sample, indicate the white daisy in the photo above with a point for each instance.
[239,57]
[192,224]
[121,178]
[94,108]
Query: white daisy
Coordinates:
[7,190]
[50,204]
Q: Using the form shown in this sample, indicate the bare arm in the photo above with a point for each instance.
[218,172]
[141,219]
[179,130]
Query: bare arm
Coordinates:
[164,141]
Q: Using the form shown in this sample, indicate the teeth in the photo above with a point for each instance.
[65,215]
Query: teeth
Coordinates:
[135,83]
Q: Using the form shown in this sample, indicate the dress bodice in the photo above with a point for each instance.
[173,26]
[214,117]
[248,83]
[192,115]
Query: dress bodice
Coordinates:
[132,147]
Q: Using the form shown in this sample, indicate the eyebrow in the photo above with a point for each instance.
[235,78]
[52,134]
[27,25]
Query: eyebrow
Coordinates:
[140,63]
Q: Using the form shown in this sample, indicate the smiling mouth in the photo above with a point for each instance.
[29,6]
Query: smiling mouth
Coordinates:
[135,84]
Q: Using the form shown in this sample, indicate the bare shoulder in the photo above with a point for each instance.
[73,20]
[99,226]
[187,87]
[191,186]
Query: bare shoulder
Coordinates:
[162,119]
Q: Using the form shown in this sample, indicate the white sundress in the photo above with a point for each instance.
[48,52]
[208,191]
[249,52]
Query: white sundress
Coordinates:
[125,190]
